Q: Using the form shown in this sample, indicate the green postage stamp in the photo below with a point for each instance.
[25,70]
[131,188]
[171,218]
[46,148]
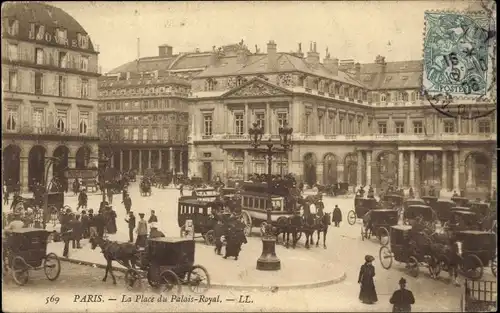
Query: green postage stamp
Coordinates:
[459,54]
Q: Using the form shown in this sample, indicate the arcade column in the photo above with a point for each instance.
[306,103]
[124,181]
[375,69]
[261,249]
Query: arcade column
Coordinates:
[400,169]
[181,161]
[444,168]
[319,173]
[121,160]
[493,177]
[340,173]
[359,169]
[23,177]
[159,158]
[149,158]
[456,172]
[245,165]
[172,164]
[368,168]
[412,170]
[140,162]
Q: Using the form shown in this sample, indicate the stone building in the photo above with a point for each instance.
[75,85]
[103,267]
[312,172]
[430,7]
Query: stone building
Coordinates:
[49,84]
[365,124]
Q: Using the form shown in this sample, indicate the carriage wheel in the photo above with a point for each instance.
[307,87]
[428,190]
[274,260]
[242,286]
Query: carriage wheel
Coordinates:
[412,266]
[472,266]
[494,265]
[351,217]
[198,279]
[385,256]
[20,271]
[170,282]
[210,238]
[132,279]
[247,220]
[52,266]
[383,236]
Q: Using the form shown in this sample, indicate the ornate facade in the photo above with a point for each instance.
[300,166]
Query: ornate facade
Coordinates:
[49,84]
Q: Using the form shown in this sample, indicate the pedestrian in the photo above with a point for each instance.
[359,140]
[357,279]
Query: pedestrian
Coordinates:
[337,216]
[142,232]
[127,202]
[154,232]
[111,221]
[5,195]
[153,218]
[181,189]
[82,200]
[76,226]
[218,233]
[235,238]
[76,186]
[124,194]
[85,225]
[367,293]
[109,193]
[92,224]
[131,225]
[402,299]
[66,231]
[100,223]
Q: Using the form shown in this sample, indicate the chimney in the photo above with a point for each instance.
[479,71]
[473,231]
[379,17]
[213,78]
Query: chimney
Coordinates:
[380,61]
[127,77]
[165,51]
[272,56]
[312,56]
[241,56]
[332,65]
[357,71]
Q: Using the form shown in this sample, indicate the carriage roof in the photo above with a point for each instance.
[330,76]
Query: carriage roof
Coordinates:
[195,202]
[401,227]
[445,201]
[253,193]
[394,195]
[460,208]
[429,197]
[419,206]
[33,231]
[415,201]
[463,212]
[382,211]
[473,233]
[170,240]
[459,198]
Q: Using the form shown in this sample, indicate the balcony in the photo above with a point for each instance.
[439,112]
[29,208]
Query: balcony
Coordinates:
[49,133]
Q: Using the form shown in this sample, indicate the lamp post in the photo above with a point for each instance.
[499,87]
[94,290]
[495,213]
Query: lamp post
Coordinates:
[50,161]
[268,261]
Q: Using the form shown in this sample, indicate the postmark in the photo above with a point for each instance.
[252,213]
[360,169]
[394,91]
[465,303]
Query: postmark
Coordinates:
[458,55]
[445,104]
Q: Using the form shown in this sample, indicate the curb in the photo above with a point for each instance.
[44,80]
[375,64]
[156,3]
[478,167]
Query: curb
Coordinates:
[319,284]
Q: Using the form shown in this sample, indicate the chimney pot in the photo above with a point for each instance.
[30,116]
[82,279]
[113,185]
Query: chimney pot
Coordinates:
[272,56]
[165,51]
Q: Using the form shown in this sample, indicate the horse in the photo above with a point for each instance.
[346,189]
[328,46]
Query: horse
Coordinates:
[289,225]
[310,223]
[124,253]
[324,221]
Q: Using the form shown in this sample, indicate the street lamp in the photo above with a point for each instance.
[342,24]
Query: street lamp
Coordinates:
[49,161]
[268,261]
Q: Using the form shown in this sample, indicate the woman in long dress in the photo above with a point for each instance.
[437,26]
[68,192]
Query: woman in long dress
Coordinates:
[367,294]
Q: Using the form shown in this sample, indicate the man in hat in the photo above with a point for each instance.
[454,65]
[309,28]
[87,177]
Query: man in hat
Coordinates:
[76,226]
[153,218]
[154,232]
[402,299]
[142,232]
[127,202]
[337,216]
[92,224]
[131,225]
[82,200]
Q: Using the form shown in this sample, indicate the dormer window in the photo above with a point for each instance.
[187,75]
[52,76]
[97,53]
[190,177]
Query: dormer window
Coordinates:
[61,36]
[404,96]
[210,84]
[13,27]
[383,98]
[83,41]
[337,89]
[240,81]
[356,94]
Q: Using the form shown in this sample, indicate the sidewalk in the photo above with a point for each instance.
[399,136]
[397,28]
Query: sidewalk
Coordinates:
[299,269]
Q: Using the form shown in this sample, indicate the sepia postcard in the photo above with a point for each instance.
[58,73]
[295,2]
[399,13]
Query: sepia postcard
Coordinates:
[253,156]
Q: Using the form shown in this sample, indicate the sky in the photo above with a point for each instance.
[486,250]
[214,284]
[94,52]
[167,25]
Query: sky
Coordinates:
[351,29]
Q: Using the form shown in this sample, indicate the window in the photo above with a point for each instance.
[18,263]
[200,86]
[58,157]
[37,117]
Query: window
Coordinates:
[126,134]
[238,121]
[307,121]
[382,127]
[154,133]
[166,134]
[38,83]
[388,97]
[382,98]
[418,127]
[39,56]
[282,119]
[146,104]
[12,80]
[413,97]
[400,127]
[449,127]
[260,168]
[238,169]
[484,127]
[85,88]
[63,59]
[403,96]
[240,81]
[13,54]
[84,63]
[144,134]
[12,119]
[61,35]
[261,120]
[207,125]
[83,41]
[84,122]
[37,120]
[62,86]
[135,134]
[13,27]
[62,118]
[210,84]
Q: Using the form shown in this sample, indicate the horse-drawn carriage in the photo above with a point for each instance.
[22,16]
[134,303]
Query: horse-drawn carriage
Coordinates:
[332,190]
[461,201]
[202,213]
[414,255]
[145,187]
[205,194]
[476,250]
[430,200]
[424,211]
[25,249]
[361,207]
[55,206]
[132,175]
[378,223]
[168,263]
[443,209]
[462,219]
[393,201]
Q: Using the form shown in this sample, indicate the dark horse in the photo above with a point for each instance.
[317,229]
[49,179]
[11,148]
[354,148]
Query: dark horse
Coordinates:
[324,222]
[290,225]
[124,253]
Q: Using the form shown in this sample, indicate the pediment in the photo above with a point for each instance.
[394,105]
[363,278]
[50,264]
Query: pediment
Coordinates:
[256,88]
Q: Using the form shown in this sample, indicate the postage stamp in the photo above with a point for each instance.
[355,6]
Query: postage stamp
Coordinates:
[458,54]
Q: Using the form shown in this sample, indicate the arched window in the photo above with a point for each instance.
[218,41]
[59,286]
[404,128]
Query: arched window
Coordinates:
[355,94]
[337,89]
[210,84]
[404,96]
[342,91]
[364,96]
[383,97]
